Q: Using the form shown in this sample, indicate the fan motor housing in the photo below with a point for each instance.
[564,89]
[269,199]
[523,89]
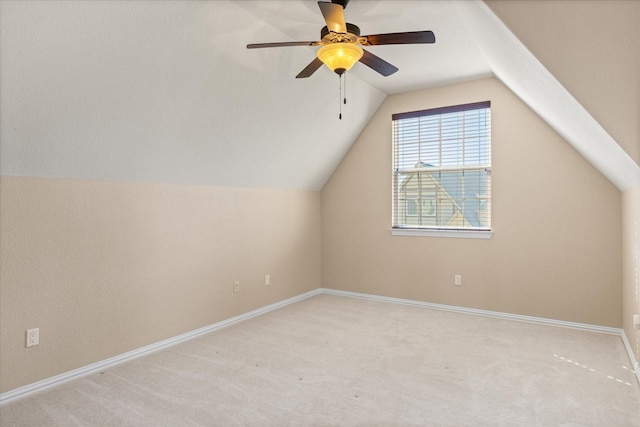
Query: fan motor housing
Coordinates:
[342,3]
[352,34]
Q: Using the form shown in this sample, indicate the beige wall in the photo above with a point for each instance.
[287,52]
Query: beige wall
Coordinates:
[593,49]
[103,268]
[556,247]
[107,267]
[631,266]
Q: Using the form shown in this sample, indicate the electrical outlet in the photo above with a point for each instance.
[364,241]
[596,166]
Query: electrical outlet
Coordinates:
[267,279]
[636,320]
[236,286]
[457,280]
[33,337]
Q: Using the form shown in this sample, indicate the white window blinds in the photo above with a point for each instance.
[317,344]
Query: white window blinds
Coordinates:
[442,168]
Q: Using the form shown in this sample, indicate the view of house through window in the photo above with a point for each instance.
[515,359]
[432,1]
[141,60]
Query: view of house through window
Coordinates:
[442,168]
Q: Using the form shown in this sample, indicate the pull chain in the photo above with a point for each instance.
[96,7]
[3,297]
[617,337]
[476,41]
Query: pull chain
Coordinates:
[340,98]
[345,88]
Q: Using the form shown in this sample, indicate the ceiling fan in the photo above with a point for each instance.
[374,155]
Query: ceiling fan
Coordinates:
[341,43]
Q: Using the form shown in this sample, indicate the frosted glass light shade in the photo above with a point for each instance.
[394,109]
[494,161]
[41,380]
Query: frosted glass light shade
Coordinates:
[340,57]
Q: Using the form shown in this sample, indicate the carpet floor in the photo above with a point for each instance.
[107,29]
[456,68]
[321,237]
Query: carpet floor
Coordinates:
[340,361]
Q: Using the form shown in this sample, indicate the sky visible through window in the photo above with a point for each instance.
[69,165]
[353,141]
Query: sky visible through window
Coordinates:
[448,140]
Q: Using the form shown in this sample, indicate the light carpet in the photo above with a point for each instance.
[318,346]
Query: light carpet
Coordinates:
[341,361]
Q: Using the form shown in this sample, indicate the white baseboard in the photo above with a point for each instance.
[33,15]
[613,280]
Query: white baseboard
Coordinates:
[509,316]
[632,356]
[45,384]
[39,386]
[465,310]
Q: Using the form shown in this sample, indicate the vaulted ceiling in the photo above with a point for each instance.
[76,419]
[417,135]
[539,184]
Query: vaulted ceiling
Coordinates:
[168,92]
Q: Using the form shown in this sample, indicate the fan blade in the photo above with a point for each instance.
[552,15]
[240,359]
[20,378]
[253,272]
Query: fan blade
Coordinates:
[280,44]
[309,69]
[378,64]
[413,37]
[334,16]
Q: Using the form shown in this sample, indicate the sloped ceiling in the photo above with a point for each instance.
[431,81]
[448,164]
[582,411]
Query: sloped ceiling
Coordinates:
[528,78]
[593,49]
[167,91]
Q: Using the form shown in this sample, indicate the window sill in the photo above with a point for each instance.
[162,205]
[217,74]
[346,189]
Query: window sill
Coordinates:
[466,234]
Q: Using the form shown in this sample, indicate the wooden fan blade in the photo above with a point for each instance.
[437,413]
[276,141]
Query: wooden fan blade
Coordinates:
[412,37]
[378,64]
[333,16]
[309,69]
[280,44]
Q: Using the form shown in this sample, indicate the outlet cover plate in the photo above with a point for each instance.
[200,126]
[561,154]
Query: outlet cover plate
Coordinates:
[33,337]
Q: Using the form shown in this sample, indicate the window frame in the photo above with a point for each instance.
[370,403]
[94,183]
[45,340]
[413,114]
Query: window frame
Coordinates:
[440,230]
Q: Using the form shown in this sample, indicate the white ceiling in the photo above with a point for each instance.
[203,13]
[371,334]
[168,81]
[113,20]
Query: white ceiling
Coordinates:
[453,57]
[166,91]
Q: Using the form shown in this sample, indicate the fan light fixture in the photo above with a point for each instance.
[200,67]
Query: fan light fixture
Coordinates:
[340,57]
[341,40]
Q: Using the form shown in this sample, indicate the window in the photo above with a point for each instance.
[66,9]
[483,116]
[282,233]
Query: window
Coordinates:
[442,171]
[428,207]
[411,206]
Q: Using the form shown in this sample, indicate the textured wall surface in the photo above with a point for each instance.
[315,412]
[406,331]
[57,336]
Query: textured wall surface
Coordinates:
[593,49]
[103,268]
[631,266]
[556,245]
